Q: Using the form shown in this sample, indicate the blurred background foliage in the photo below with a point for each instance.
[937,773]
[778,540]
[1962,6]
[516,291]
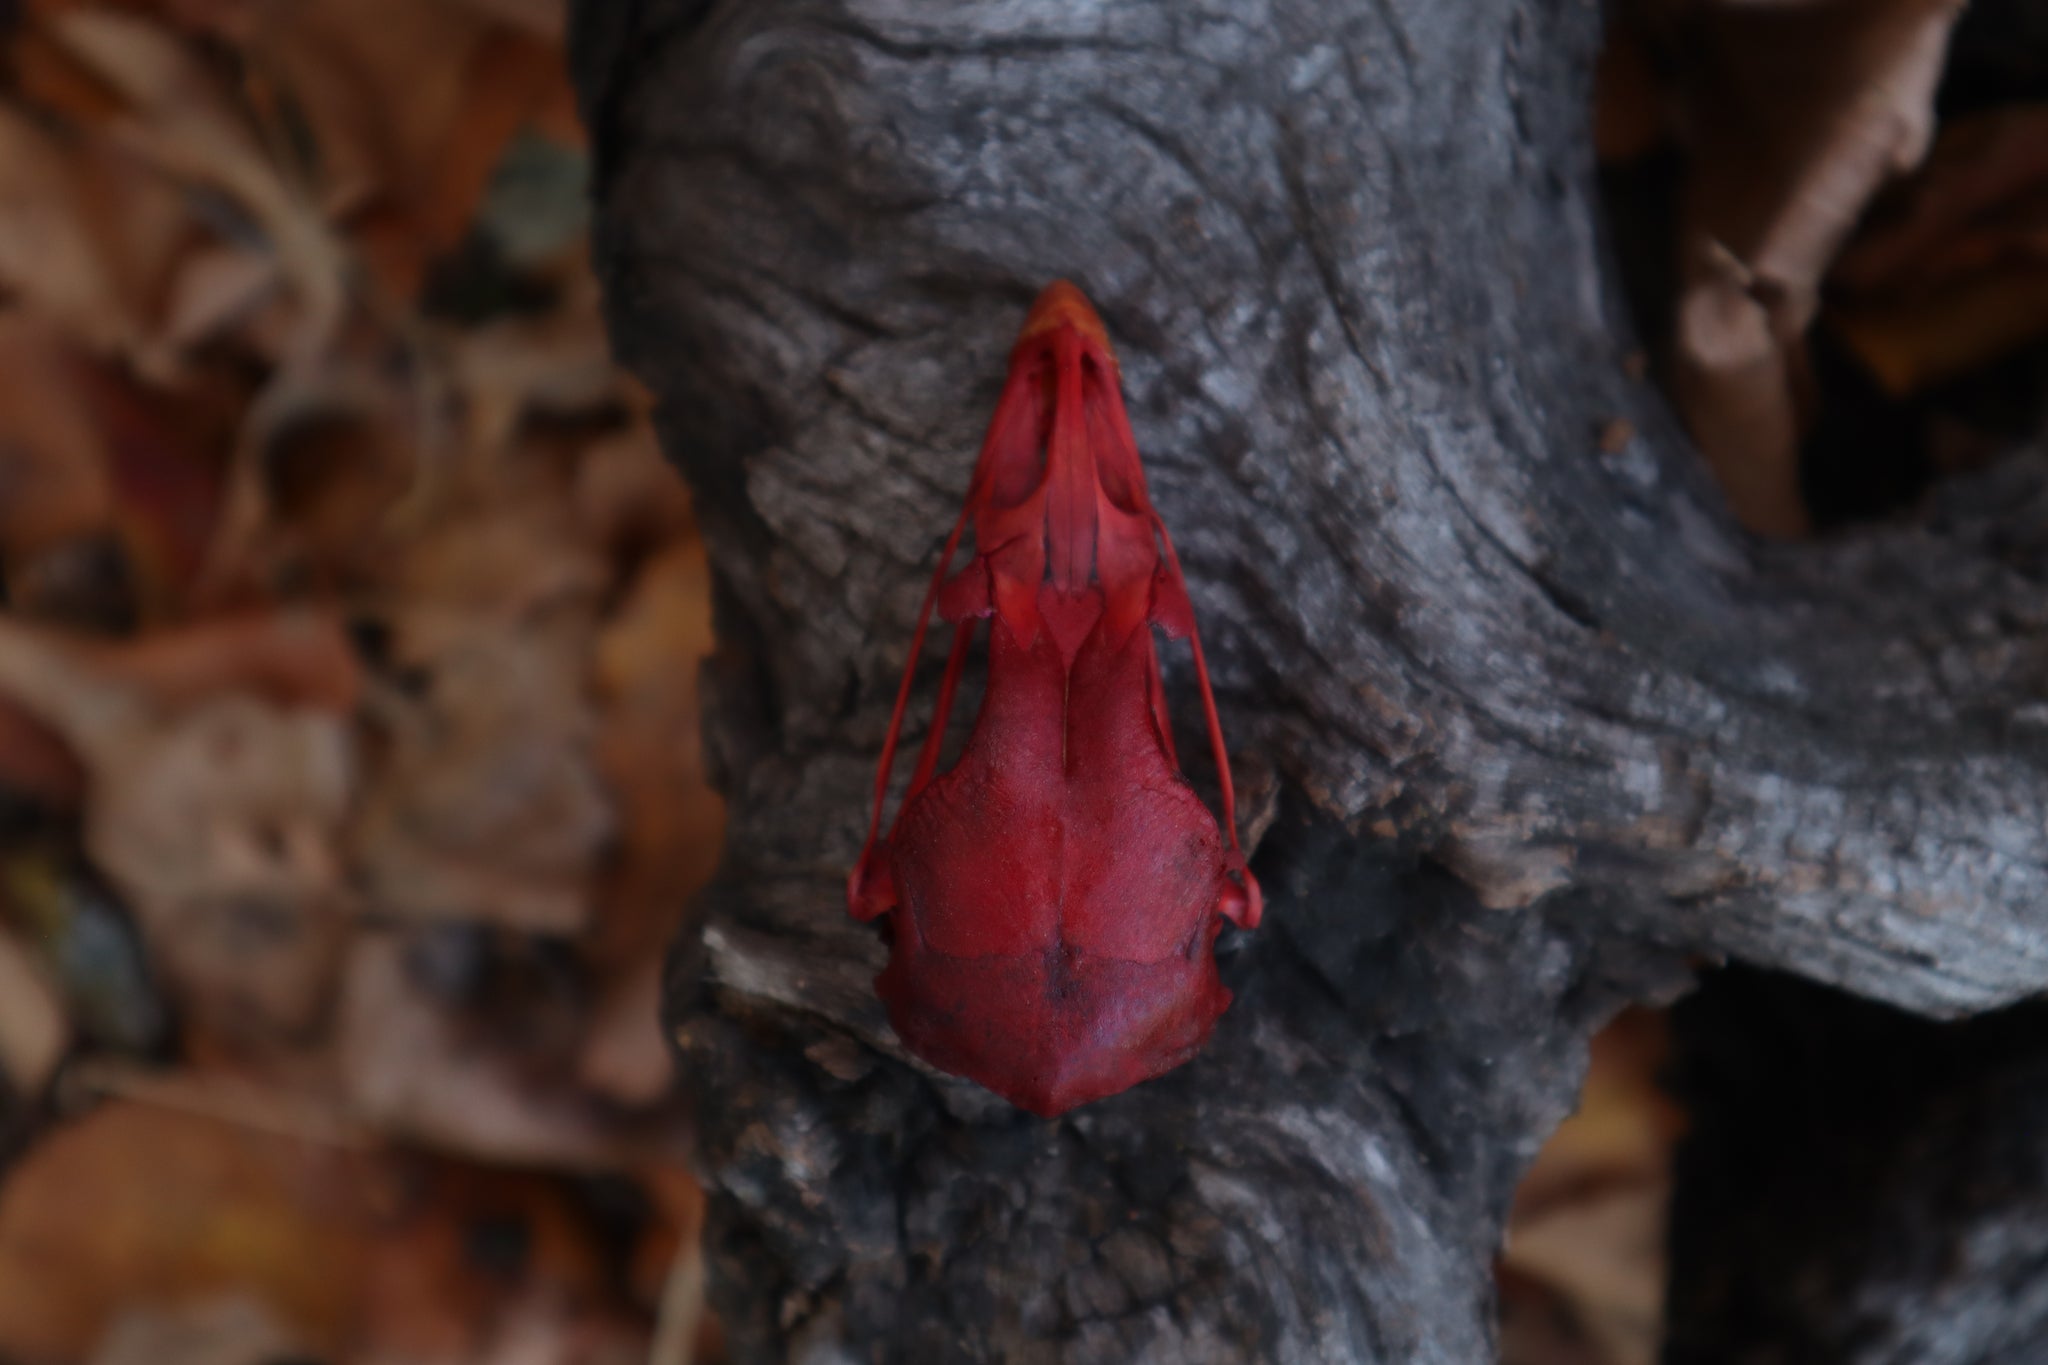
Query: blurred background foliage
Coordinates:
[350,787]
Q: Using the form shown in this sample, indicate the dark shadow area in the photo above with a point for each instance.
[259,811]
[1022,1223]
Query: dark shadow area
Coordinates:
[1856,1184]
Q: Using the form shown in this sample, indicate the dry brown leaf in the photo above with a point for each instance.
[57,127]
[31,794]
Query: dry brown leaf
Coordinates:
[88,454]
[557,366]
[33,1029]
[165,471]
[512,79]
[321,462]
[179,121]
[378,81]
[54,484]
[222,841]
[669,1267]
[220,827]
[464,1252]
[1737,382]
[233,20]
[1537,1325]
[1795,116]
[282,1098]
[355,1254]
[628,498]
[678,1201]
[559,1333]
[218,820]
[230,1330]
[408,1068]
[487,805]
[286,660]
[49,78]
[35,762]
[133,1207]
[1983,166]
[216,287]
[1589,1217]
[651,751]
[542,19]
[1629,117]
[1606,1256]
[1952,271]
[1625,1125]
[289,659]
[1913,344]
[411,103]
[512,557]
[87,239]
[401,466]
[625,1057]
[85,450]
[671,821]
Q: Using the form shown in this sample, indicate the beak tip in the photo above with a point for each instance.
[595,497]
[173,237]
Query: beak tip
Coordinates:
[1061,304]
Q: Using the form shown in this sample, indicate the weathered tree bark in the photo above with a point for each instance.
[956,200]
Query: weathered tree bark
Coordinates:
[1540,720]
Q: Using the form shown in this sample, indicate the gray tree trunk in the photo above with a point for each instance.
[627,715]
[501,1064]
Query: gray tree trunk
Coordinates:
[1538,721]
